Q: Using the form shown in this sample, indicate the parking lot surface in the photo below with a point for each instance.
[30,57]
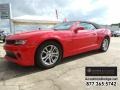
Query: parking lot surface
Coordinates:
[68,75]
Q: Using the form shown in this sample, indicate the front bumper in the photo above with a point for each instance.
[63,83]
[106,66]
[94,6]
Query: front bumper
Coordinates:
[21,54]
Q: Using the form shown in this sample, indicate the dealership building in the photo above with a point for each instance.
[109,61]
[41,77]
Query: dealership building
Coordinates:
[28,22]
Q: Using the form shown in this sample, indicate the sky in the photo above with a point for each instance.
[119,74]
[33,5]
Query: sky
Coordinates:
[99,11]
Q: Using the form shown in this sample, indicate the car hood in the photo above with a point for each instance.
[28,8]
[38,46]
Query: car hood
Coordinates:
[26,35]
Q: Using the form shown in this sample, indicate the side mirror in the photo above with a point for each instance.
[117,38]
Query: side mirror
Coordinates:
[78,28]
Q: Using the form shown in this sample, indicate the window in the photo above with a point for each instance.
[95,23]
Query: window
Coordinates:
[63,26]
[91,27]
[87,26]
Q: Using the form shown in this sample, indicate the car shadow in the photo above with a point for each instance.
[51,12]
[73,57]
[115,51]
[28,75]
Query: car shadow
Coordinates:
[10,70]
[79,56]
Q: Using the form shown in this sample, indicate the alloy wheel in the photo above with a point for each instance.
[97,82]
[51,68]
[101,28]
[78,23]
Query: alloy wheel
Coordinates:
[49,54]
[105,44]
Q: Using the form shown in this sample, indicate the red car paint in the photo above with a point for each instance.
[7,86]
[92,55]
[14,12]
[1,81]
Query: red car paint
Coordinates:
[72,43]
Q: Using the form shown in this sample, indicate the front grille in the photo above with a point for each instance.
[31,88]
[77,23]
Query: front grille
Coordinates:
[10,41]
[10,54]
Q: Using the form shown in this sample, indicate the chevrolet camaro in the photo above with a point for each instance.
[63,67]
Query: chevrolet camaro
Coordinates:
[46,47]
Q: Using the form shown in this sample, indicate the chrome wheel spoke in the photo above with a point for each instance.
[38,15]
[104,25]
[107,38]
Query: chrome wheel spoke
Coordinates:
[46,57]
[46,49]
[49,60]
[44,52]
[51,48]
[55,54]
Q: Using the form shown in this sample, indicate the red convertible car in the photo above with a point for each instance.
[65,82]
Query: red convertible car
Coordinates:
[45,48]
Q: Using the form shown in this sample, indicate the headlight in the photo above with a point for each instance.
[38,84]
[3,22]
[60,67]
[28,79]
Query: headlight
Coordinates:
[20,42]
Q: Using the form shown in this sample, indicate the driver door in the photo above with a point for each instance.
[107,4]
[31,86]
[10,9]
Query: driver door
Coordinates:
[86,38]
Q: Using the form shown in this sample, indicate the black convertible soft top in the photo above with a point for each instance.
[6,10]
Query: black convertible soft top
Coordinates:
[96,25]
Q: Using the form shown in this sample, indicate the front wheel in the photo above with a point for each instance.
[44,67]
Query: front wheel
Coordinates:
[48,55]
[105,45]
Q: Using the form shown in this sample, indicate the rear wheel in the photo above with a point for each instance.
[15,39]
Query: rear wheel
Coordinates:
[48,55]
[105,45]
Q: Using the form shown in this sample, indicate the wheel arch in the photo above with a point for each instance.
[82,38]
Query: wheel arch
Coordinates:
[48,40]
[108,37]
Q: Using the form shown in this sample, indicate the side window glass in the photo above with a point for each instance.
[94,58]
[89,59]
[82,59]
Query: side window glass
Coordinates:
[91,27]
[84,25]
[87,26]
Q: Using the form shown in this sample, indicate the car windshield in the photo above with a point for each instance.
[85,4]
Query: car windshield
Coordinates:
[63,26]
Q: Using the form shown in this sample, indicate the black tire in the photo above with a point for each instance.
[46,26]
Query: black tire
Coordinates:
[102,48]
[38,60]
